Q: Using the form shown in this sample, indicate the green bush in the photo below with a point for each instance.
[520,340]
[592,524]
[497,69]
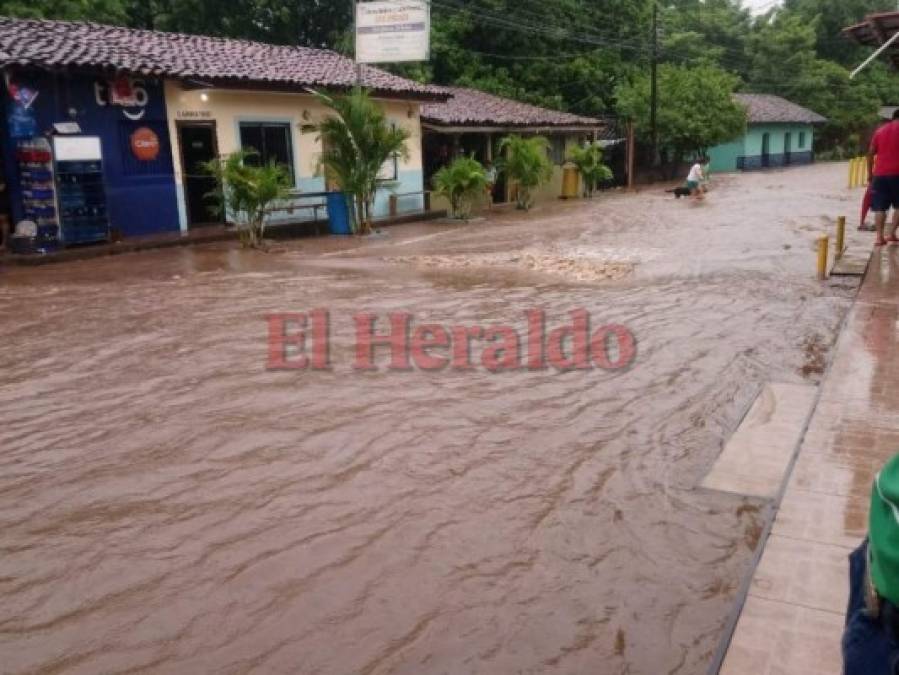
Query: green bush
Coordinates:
[246,192]
[526,162]
[461,182]
[588,160]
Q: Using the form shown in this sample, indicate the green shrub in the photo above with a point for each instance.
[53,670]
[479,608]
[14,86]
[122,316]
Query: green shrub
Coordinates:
[461,182]
[246,192]
[526,162]
[588,160]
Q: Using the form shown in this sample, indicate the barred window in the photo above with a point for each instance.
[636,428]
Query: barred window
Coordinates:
[271,140]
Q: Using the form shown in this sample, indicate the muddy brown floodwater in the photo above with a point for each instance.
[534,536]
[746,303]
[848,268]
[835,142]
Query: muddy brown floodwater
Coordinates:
[168,505]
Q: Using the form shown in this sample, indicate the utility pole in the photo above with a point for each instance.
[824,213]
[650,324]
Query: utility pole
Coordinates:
[654,102]
[359,75]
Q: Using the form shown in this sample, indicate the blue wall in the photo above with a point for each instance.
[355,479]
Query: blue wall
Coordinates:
[140,195]
[746,152]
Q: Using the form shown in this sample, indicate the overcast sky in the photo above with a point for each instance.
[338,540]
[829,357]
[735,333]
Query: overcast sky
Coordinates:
[760,5]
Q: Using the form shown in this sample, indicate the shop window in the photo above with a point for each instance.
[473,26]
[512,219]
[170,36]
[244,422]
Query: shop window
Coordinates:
[272,142]
[390,169]
[802,140]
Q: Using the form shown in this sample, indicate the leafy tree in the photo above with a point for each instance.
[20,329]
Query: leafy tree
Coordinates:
[697,109]
[706,32]
[315,23]
[526,162]
[357,141]
[565,54]
[829,17]
[106,11]
[588,160]
[247,192]
[461,182]
[785,62]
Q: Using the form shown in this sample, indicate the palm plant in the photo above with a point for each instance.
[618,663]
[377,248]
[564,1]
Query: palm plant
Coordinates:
[526,162]
[357,141]
[588,160]
[246,192]
[461,183]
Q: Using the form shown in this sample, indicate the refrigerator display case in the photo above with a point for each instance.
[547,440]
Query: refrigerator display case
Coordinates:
[35,160]
[80,189]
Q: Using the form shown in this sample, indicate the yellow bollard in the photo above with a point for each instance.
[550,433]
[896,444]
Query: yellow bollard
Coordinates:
[822,257]
[841,238]
[853,163]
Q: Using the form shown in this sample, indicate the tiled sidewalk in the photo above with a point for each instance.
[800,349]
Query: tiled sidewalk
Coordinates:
[793,618]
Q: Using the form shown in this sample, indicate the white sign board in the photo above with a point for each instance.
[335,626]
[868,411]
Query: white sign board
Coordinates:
[390,31]
[76,148]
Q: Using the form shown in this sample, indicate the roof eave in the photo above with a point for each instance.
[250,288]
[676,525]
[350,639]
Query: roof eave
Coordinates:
[484,127]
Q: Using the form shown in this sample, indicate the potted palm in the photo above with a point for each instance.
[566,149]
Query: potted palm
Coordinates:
[588,160]
[461,183]
[526,162]
[357,141]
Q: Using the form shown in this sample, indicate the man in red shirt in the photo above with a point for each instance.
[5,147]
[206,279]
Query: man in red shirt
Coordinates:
[885,177]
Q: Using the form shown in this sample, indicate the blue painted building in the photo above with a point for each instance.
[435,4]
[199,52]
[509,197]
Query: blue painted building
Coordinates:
[140,193]
[779,133]
[162,104]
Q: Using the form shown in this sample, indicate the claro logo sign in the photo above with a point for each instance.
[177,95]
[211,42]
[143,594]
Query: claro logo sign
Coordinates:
[129,94]
[145,144]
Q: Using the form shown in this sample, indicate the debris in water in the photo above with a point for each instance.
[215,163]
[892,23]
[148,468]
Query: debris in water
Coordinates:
[815,356]
[579,268]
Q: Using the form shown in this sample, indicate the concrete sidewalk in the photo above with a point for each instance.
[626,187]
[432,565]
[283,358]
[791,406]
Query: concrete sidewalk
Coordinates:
[793,617]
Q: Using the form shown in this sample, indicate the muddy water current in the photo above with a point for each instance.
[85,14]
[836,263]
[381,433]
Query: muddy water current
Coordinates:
[169,505]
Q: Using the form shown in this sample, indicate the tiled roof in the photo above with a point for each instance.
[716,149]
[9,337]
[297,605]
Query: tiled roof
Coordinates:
[765,108]
[55,44]
[875,30]
[470,107]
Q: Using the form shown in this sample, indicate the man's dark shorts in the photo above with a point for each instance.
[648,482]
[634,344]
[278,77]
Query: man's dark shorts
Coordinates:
[867,649]
[884,193]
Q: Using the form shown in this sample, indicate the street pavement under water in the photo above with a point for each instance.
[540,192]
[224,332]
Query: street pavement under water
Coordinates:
[169,505]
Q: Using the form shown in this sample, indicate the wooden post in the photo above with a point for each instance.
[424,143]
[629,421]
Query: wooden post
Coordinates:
[841,237]
[393,206]
[822,257]
[631,160]
[427,201]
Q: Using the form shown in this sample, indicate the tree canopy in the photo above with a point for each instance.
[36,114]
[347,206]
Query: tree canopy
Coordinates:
[698,109]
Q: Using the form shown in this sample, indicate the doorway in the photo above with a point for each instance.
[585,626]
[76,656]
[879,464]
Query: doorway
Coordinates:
[199,143]
[788,148]
[766,151]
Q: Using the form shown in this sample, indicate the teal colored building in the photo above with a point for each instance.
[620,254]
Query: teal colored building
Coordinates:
[780,133]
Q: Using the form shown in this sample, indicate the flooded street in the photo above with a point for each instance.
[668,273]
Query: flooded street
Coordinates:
[169,505]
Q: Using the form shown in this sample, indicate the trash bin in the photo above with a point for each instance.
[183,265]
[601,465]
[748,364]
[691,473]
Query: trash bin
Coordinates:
[570,179]
[338,213]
